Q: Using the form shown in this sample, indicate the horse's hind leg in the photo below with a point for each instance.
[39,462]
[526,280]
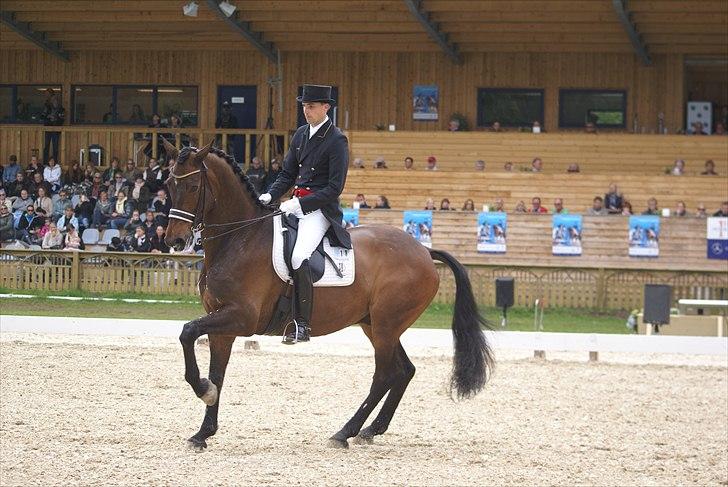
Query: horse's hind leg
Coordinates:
[220,348]
[380,424]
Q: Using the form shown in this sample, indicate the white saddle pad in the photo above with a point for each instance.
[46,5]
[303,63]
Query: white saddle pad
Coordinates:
[344,259]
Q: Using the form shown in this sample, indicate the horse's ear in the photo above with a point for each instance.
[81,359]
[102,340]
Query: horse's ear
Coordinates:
[171,150]
[202,153]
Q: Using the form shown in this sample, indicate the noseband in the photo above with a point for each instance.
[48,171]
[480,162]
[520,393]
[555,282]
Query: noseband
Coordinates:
[186,216]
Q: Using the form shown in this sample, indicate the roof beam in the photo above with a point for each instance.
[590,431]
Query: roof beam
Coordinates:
[433,30]
[244,29]
[38,38]
[625,17]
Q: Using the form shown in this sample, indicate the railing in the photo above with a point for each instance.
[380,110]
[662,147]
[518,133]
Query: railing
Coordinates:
[589,288]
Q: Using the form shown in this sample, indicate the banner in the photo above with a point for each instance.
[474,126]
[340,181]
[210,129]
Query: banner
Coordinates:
[419,225]
[425,99]
[492,232]
[351,217]
[644,236]
[566,235]
[718,237]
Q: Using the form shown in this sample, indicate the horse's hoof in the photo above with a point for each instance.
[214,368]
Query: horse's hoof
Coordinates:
[337,443]
[197,446]
[210,395]
[364,440]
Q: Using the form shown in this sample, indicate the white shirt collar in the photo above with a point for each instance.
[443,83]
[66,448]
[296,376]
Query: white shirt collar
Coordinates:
[314,129]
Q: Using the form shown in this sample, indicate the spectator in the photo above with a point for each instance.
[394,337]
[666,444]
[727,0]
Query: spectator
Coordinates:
[590,128]
[121,210]
[453,125]
[149,148]
[139,194]
[117,245]
[627,209]
[130,172]
[33,167]
[73,175]
[11,170]
[723,209]
[53,115]
[709,168]
[226,120]
[521,207]
[117,184]
[52,175]
[29,225]
[53,239]
[680,210]
[88,175]
[573,168]
[7,230]
[445,205]
[480,165]
[108,176]
[613,200]
[361,200]
[358,163]
[469,205]
[38,182]
[409,163]
[536,206]
[537,165]
[150,225]
[430,204]
[97,186]
[597,207]
[380,163]
[84,212]
[134,221]
[701,212]
[508,167]
[256,174]
[495,127]
[382,203]
[559,207]
[536,127]
[431,163]
[499,206]
[72,240]
[68,218]
[719,129]
[698,129]
[153,175]
[139,242]
[46,225]
[18,185]
[161,206]
[5,201]
[60,205]
[156,243]
[651,207]
[678,169]
[43,201]
[137,115]
[102,210]
[273,171]
[22,201]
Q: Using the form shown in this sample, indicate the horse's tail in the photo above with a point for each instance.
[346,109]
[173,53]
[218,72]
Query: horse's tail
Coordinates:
[473,360]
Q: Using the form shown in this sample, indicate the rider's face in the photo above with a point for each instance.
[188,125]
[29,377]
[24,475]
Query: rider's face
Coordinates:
[315,112]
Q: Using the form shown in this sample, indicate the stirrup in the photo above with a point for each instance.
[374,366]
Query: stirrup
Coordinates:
[300,333]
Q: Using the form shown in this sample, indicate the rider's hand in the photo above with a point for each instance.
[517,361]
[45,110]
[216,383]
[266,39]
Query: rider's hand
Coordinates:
[292,207]
[265,198]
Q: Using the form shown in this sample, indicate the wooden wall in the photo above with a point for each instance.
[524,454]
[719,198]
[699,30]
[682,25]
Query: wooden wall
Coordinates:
[375,88]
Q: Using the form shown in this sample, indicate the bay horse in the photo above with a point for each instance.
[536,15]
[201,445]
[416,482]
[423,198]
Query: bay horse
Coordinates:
[395,281]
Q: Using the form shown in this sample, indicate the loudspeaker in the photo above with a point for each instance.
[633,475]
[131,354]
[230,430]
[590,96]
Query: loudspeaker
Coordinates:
[657,304]
[504,292]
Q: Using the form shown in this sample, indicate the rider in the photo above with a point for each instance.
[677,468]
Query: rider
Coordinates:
[315,165]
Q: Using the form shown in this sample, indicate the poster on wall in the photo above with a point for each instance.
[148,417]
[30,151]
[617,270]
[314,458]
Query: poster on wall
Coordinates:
[419,225]
[566,235]
[492,232]
[718,237]
[425,100]
[644,236]
[351,217]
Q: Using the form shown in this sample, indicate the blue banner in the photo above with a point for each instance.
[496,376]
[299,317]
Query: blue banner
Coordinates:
[718,238]
[492,232]
[566,235]
[644,236]
[419,225]
[425,99]
[351,217]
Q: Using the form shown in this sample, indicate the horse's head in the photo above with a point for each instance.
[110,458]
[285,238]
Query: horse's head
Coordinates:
[188,187]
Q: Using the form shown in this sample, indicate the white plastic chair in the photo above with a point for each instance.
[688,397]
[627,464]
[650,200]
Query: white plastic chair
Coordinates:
[108,234]
[90,236]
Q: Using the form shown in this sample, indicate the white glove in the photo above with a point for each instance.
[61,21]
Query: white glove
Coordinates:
[265,198]
[292,207]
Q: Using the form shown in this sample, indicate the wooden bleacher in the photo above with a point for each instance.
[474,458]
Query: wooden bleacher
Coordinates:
[603,153]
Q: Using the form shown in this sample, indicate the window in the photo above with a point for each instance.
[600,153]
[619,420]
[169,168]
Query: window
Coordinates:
[134,105]
[604,108]
[25,103]
[93,104]
[509,107]
[180,101]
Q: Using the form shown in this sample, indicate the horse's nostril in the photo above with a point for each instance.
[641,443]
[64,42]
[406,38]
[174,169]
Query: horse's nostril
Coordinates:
[179,244]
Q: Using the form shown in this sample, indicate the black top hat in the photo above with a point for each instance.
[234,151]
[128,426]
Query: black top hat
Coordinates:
[312,93]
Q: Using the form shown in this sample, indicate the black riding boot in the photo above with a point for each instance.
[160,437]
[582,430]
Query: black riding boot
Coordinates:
[303,304]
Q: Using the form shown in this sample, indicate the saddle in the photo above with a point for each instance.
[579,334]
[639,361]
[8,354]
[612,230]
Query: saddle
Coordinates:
[317,261]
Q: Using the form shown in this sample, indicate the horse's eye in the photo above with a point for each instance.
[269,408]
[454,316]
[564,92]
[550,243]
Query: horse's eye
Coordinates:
[194,188]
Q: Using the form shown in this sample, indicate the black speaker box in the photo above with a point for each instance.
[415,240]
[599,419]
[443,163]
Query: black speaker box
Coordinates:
[657,304]
[504,292]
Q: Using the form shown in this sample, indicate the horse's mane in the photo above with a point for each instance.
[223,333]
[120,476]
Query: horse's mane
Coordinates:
[187,151]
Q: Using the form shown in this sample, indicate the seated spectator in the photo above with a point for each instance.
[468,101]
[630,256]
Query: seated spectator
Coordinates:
[88,175]
[73,175]
[22,201]
[559,207]
[11,170]
[445,205]
[453,125]
[5,201]
[72,240]
[97,186]
[108,176]
[133,222]
[697,128]
[536,127]
[60,205]
[508,167]
[590,128]
[361,200]
[37,183]
[382,203]
[18,185]
[52,175]
[495,127]
[626,209]
[84,211]
[709,168]
[651,207]
[430,204]
[537,165]
[469,205]
[121,211]
[45,228]
[156,243]
[43,201]
[499,205]
[380,163]
[29,225]
[149,223]
[431,163]
[256,174]
[139,194]
[480,165]
[153,175]
[409,163]
[701,212]
[161,206]
[130,172]
[678,169]
[573,168]
[719,129]
[68,218]
[680,210]
[117,184]
[139,242]
[7,221]
[34,166]
[102,210]
[536,206]
[597,207]
[116,245]
[521,207]
[613,200]
[52,240]
[358,163]
[274,169]
[723,209]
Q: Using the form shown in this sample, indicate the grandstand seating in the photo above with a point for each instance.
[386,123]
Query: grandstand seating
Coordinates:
[90,236]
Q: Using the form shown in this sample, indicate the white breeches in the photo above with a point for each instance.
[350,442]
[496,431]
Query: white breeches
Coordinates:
[311,229]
